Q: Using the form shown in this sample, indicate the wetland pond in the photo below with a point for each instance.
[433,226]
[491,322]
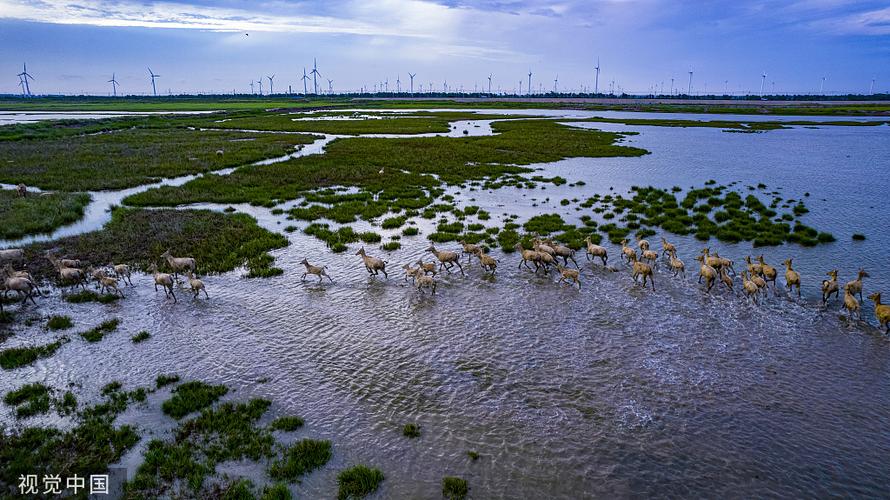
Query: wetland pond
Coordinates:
[607,391]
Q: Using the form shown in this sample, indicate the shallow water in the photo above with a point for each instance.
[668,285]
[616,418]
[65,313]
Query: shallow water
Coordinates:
[14,117]
[606,391]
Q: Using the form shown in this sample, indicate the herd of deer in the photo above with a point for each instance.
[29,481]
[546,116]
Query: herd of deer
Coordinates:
[544,255]
[72,272]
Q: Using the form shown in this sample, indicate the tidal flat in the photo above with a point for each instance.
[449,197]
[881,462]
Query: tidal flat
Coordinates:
[504,384]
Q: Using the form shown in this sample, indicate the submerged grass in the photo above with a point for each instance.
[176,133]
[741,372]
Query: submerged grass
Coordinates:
[127,158]
[411,430]
[219,242]
[91,296]
[287,424]
[141,337]
[38,212]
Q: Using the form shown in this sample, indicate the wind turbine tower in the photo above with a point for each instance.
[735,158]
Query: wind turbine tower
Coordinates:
[529,83]
[114,85]
[305,79]
[556,84]
[154,89]
[23,76]
[330,86]
[489,83]
[822,85]
[315,74]
[871,90]
[251,88]
[762,81]
[411,76]
[689,92]
[260,81]
[270,83]
[596,84]
[398,84]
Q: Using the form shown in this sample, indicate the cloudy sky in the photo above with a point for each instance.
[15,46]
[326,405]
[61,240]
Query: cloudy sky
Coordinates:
[74,46]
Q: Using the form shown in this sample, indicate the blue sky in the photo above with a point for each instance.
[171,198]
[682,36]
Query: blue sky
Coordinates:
[74,46]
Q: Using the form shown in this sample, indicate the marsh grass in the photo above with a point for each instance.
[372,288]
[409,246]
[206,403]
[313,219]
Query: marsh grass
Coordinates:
[179,467]
[192,396]
[473,455]
[358,481]
[127,158]
[300,458]
[21,356]
[219,242]
[165,380]
[90,296]
[59,322]
[287,424]
[99,332]
[454,488]
[38,212]
[28,400]
[141,337]
[411,430]
[406,163]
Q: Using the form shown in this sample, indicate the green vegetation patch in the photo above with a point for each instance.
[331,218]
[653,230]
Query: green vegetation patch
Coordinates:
[219,242]
[358,481]
[130,157]
[406,164]
[38,213]
[411,430]
[59,322]
[21,356]
[178,467]
[141,337]
[165,380]
[454,488]
[89,447]
[300,458]
[98,333]
[192,396]
[91,296]
[288,424]
[30,399]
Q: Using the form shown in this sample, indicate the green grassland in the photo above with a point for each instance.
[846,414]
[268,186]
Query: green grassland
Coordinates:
[219,242]
[406,164]
[38,212]
[127,158]
[750,126]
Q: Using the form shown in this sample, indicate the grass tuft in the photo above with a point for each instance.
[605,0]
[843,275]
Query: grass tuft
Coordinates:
[30,399]
[300,458]
[59,323]
[358,481]
[454,488]
[411,430]
[141,337]
[192,396]
[98,333]
[287,424]
[21,356]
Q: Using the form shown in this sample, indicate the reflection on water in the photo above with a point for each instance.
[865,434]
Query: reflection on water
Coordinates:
[607,391]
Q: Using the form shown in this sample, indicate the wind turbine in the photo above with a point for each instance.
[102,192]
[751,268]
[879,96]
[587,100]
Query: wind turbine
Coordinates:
[762,81]
[689,92]
[154,90]
[822,85]
[411,76]
[330,86]
[398,84]
[114,85]
[445,86]
[596,85]
[270,83]
[529,82]
[556,84]
[520,88]
[305,78]
[489,83]
[251,87]
[23,76]
[871,89]
[315,74]
[22,85]
[672,86]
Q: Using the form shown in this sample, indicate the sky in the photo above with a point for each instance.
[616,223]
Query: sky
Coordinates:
[200,46]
